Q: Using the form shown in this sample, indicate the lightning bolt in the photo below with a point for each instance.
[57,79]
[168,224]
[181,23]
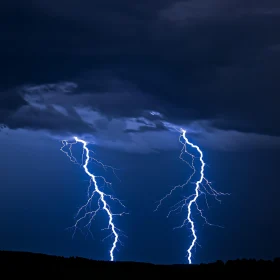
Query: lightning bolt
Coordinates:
[202,187]
[103,198]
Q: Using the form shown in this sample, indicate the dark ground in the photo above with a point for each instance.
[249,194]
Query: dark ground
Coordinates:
[24,264]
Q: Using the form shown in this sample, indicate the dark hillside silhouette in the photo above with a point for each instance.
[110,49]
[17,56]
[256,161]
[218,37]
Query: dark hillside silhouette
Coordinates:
[23,264]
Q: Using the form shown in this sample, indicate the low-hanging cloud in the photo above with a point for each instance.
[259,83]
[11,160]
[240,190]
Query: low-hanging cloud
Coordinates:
[123,120]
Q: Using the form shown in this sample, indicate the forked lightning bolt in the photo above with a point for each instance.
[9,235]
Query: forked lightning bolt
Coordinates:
[202,187]
[103,198]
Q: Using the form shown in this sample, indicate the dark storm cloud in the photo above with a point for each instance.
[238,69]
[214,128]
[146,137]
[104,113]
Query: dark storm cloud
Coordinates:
[62,111]
[190,60]
[157,127]
[49,119]
[10,101]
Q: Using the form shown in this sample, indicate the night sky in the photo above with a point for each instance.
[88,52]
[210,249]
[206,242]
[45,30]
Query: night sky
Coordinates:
[98,70]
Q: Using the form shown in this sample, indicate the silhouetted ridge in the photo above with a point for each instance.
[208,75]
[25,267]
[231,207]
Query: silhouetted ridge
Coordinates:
[26,264]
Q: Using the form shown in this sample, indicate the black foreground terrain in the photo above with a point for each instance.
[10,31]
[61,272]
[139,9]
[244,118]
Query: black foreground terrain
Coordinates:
[23,264]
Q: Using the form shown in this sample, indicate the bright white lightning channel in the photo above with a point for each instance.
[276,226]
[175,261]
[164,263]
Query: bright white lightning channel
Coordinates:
[103,198]
[202,187]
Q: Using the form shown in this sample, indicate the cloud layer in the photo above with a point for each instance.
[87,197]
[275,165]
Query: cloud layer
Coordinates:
[208,65]
[122,120]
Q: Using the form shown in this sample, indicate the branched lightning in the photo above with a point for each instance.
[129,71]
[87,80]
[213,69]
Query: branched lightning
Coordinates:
[202,187]
[93,190]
